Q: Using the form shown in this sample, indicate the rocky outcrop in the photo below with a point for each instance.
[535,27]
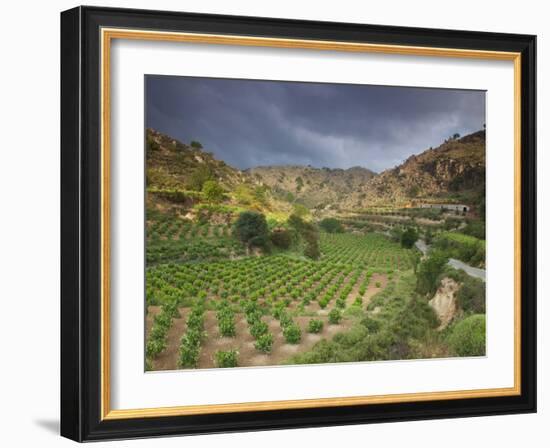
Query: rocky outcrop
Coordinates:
[444,302]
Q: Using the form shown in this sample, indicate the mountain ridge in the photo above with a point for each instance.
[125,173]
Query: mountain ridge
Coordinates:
[454,169]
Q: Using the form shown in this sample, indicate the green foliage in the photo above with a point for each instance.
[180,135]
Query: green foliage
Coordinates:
[196,145]
[414,191]
[475,229]
[428,236]
[227,358]
[300,210]
[200,175]
[396,234]
[308,232]
[315,326]
[212,191]
[404,322]
[409,237]
[258,329]
[281,238]
[251,228]
[464,247]
[428,272]
[226,320]
[264,343]
[471,295]
[190,342]
[335,316]
[292,333]
[331,225]
[467,337]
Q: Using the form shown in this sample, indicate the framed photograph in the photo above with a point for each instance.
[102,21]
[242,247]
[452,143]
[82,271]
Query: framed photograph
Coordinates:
[277,224]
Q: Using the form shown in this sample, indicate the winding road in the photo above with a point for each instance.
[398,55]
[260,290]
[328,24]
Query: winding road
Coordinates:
[457,264]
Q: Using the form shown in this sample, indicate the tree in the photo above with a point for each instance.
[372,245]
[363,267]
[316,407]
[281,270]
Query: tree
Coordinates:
[300,210]
[281,238]
[212,190]
[251,228]
[409,237]
[331,225]
[309,233]
[201,174]
[428,236]
[428,272]
[195,144]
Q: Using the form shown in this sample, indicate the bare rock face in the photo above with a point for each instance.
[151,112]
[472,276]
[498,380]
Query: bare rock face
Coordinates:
[444,302]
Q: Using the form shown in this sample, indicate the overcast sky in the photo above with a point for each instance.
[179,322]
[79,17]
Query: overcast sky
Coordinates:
[253,123]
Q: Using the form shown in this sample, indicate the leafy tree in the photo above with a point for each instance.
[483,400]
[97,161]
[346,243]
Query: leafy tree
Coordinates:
[212,190]
[300,210]
[409,237]
[281,238]
[308,232]
[201,174]
[428,236]
[471,295]
[195,144]
[331,225]
[251,228]
[428,272]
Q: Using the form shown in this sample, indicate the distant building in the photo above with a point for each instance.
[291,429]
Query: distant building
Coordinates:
[454,207]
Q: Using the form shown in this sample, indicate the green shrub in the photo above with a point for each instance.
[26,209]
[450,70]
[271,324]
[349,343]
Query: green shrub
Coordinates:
[212,191]
[264,343]
[315,326]
[331,225]
[292,333]
[226,358]
[335,316]
[154,347]
[467,337]
[259,328]
[471,295]
[281,238]
[409,237]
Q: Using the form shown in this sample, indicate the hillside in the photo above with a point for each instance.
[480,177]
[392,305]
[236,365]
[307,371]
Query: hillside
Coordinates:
[313,187]
[453,171]
[172,164]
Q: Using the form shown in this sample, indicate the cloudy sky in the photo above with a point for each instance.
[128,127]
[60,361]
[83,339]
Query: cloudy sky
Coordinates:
[251,123]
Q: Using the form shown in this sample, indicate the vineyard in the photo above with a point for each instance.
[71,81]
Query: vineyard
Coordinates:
[211,305]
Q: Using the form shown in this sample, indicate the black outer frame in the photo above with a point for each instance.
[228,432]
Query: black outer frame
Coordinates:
[80,224]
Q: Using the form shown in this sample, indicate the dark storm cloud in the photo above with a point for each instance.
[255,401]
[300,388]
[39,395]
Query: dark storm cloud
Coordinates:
[252,123]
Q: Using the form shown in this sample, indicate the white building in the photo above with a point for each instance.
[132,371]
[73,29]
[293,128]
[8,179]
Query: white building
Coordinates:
[453,207]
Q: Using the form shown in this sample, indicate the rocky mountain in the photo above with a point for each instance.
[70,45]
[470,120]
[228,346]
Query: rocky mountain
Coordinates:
[455,169]
[313,187]
[172,164]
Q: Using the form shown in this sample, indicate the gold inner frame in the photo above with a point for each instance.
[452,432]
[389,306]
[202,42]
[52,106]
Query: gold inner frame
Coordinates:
[107,35]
